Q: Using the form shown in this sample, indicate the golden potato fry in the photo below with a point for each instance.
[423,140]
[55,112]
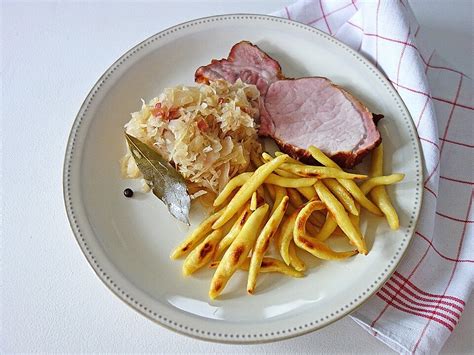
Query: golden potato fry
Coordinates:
[342,219]
[263,239]
[320,172]
[379,195]
[355,219]
[295,261]
[376,161]
[280,193]
[350,185]
[359,196]
[327,229]
[196,236]
[238,251]
[247,189]
[274,179]
[234,231]
[307,192]
[342,195]
[268,265]
[203,253]
[380,180]
[295,198]
[233,183]
[290,159]
[286,236]
[312,245]
[253,201]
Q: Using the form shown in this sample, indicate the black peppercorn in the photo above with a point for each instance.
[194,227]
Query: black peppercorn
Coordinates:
[128,192]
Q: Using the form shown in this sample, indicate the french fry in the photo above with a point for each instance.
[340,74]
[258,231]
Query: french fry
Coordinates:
[372,182]
[253,201]
[233,183]
[379,195]
[312,245]
[342,195]
[355,219]
[203,253]
[234,231]
[307,192]
[196,236]
[295,261]
[295,198]
[280,193]
[268,265]
[327,229]
[320,172]
[261,244]
[286,236]
[237,252]
[350,185]
[342,219]
[274,179]
[376,161]
[247,189]
[313,223]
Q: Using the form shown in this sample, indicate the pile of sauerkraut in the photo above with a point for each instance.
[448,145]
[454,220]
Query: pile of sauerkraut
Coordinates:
[207,132]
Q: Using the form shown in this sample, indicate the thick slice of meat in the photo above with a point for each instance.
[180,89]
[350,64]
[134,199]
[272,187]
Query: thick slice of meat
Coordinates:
[314,111]
[245,61]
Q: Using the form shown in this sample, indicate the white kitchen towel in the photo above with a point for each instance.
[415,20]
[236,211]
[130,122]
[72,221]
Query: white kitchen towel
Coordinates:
[420,305]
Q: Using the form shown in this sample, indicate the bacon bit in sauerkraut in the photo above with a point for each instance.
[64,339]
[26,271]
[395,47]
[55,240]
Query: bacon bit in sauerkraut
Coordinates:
[207,132]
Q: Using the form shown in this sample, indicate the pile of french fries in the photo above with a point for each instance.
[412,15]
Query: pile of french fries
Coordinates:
[293,205]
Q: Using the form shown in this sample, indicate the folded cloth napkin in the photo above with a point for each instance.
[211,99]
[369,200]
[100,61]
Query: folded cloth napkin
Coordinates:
[420,305]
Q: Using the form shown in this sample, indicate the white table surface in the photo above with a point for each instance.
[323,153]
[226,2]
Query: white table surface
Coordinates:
[52,54]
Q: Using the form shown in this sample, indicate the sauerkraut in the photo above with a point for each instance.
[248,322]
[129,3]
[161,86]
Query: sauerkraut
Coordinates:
[207,132]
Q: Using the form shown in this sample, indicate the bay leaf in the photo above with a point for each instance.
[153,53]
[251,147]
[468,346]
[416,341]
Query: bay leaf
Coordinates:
[166,182]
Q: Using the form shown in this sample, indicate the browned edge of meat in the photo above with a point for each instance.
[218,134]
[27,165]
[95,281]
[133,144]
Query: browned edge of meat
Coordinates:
[343,159]
[199,77]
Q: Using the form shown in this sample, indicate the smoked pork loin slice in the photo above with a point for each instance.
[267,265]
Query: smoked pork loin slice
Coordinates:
[298,113]
[245,61]
[314,111]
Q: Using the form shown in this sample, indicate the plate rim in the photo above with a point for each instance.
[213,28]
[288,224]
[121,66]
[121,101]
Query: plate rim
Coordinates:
[153,316]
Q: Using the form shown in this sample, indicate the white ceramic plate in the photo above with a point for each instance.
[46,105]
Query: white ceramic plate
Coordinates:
[128,241]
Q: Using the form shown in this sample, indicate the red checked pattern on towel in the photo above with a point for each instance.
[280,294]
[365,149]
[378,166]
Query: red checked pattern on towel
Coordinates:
[421,304]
